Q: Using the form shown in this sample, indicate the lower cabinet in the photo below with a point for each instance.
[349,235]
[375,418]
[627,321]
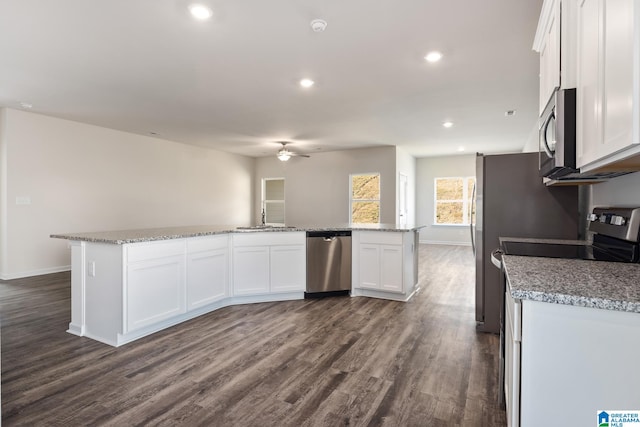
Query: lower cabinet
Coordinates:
[251,270]
[155,283]
[512,359]
[207,270]
[565,363]
[381,267]
[269,262]
[288,271]
[384,263]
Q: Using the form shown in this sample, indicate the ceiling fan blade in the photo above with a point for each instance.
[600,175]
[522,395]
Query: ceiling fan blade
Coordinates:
[299,155]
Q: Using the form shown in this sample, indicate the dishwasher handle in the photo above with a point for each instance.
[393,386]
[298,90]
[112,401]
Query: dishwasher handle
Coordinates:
[329,239]
[329,234]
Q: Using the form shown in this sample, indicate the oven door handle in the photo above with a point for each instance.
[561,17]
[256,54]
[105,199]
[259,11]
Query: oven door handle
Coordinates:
[496,258]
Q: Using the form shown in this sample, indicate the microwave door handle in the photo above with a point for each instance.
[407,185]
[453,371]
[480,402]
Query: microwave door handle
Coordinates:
[545,143]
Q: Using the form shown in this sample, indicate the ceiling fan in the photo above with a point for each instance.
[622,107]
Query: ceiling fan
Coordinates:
[285,154]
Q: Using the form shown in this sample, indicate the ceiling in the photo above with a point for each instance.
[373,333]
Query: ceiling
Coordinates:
[231,83]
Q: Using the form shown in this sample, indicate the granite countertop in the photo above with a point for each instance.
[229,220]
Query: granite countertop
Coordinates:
[120,237]
[583,283]
[552,241]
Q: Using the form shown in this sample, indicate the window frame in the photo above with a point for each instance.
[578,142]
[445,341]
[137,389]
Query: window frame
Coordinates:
[378,200]
[467,203]
[265,201]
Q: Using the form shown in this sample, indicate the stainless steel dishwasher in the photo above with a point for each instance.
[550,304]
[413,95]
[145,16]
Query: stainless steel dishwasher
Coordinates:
[328,262]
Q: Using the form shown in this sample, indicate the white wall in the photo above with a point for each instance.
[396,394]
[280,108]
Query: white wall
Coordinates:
[317,188]
[81,177]
[531,145]
[428,169]
[406,164]
[624,190]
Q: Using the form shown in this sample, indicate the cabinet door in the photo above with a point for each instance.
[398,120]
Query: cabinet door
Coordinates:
[589,86]
[619,56]
[155,291]
[550,56]
[251,270]
[369,266]
[391,268]
[207,277]
[288,268]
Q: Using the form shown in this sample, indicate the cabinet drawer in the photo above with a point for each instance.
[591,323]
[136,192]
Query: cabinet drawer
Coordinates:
[152,250]
[269,238]
[207,243]
[381,237]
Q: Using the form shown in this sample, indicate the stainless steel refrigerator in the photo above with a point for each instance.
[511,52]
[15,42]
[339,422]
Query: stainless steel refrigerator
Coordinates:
[511,201]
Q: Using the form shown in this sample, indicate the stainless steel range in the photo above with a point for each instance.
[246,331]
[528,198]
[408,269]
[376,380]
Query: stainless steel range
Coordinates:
[616,238]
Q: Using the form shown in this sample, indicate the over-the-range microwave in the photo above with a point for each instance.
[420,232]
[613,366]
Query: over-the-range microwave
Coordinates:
[557,135]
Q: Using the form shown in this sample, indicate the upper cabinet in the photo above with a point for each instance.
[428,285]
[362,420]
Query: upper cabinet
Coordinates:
[608,85]
[555,42]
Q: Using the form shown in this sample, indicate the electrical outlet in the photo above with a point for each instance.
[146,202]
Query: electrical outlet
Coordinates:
[91,268]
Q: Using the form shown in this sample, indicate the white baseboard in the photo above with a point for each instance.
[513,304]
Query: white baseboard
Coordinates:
[38,272]
[444,242]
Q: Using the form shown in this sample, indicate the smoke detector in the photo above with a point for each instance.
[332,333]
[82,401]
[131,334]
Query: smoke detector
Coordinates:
[318,25]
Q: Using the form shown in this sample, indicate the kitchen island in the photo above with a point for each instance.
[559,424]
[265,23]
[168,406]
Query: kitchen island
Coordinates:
[131,283]
[572,339]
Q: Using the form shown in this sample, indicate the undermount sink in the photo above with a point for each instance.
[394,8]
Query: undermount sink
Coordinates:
[254,227]
[263,227]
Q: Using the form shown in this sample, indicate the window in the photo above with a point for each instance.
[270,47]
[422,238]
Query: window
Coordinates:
[273,201]
[453,200]
[365,198]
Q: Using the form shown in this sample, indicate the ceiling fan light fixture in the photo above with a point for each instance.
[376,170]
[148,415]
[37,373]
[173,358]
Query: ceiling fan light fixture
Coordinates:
[284,155]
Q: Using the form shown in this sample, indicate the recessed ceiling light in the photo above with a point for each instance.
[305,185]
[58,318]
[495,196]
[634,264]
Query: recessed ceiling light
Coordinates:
[306,83]
[434,56]
[26,105]
[447,124]
[200,11]
[460,149]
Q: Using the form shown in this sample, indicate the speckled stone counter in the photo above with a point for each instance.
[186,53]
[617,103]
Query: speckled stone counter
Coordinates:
[552,241]
[596,284]
[120,237]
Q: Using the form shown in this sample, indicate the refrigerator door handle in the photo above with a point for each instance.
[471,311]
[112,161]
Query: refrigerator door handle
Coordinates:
[471,224]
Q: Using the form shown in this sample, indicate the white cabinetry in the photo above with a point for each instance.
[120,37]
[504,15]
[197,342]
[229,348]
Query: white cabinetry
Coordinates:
[269,262]
[573,361]
[383,264]
[288,272]
[155,283]
[555,42]
[512,337]
[250,270]
[549,49]
[207,270]
[608,85]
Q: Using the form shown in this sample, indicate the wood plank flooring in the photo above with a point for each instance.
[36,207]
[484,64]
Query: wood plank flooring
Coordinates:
[323,362]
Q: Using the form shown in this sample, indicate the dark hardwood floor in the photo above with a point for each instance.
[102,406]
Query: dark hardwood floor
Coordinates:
[323,362]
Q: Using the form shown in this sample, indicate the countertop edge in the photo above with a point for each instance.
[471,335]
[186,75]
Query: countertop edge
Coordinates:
[94,237]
